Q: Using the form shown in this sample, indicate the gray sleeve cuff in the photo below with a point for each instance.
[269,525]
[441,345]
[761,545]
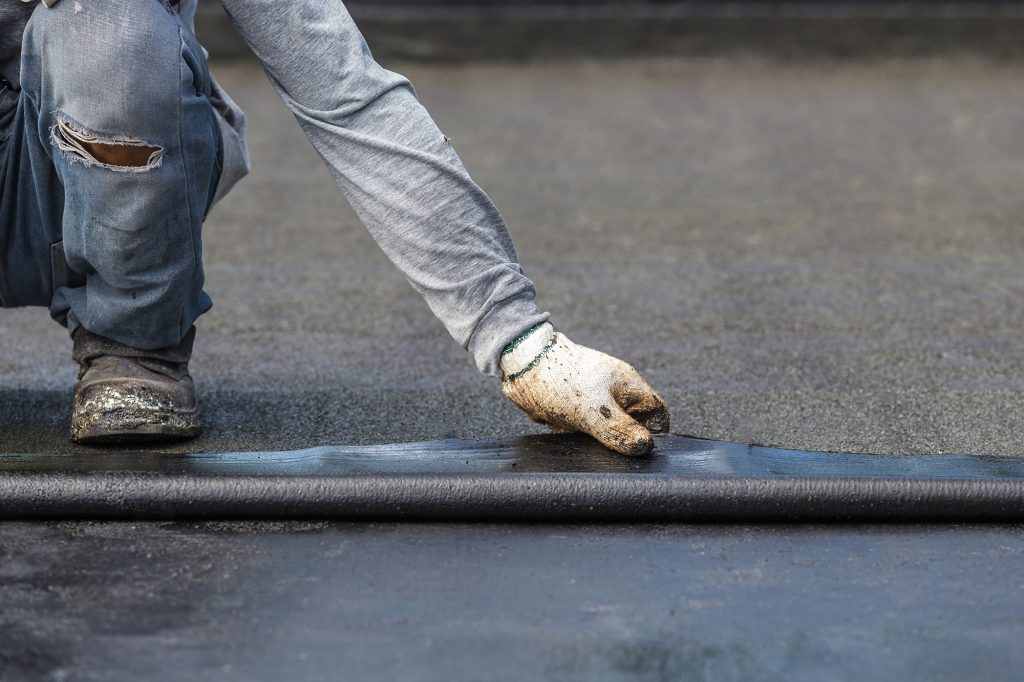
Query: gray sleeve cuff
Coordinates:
[499,327]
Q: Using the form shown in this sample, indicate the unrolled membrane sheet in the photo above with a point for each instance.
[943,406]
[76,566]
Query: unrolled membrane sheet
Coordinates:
[539,478]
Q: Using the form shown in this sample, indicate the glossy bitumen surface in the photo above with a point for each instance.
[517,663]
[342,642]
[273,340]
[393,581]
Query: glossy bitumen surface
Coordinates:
[540,478]
[677,456]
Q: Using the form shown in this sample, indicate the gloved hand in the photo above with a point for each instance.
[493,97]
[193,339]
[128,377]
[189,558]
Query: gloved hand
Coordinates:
[573,388]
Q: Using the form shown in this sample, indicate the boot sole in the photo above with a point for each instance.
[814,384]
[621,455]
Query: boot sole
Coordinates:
[121,412]
[102,434]
[124,426]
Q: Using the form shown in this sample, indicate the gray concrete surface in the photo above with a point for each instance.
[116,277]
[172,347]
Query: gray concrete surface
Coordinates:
[814,255]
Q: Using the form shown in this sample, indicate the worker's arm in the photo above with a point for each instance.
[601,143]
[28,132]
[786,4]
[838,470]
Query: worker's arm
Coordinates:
[397,169]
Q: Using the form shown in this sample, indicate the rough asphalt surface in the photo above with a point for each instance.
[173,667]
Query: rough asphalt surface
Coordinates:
[808,256]
[805,255]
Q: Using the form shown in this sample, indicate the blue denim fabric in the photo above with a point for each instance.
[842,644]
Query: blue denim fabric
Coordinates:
[115,249]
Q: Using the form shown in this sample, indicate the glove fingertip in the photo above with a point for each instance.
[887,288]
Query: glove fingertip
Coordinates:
[635,441]
[639,447]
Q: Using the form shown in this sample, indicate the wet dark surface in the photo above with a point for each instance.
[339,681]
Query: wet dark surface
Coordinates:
[320,601]
[674,456]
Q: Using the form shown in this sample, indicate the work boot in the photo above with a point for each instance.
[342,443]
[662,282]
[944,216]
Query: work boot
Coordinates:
[128,395]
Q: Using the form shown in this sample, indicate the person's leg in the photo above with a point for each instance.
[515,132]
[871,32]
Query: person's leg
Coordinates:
[121,143]
[111,164]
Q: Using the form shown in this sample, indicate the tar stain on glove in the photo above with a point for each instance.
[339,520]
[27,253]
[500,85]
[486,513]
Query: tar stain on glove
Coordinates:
[573,388]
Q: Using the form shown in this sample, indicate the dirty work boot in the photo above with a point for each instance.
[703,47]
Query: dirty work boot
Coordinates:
[128,395]
[574,388]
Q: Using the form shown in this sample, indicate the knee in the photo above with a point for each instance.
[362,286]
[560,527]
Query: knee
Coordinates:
[109,79]
[103,59]
[116,152]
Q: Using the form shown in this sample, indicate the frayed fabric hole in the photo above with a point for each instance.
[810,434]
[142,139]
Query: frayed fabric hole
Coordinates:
[122,154]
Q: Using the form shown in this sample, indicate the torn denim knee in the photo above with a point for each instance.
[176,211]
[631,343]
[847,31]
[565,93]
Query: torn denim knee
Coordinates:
[118,153]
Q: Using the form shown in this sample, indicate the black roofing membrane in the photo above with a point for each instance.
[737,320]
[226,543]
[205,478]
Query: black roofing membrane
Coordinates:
[537,478]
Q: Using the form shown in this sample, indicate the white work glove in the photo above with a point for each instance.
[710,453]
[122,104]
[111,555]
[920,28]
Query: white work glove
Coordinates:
[572,388]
